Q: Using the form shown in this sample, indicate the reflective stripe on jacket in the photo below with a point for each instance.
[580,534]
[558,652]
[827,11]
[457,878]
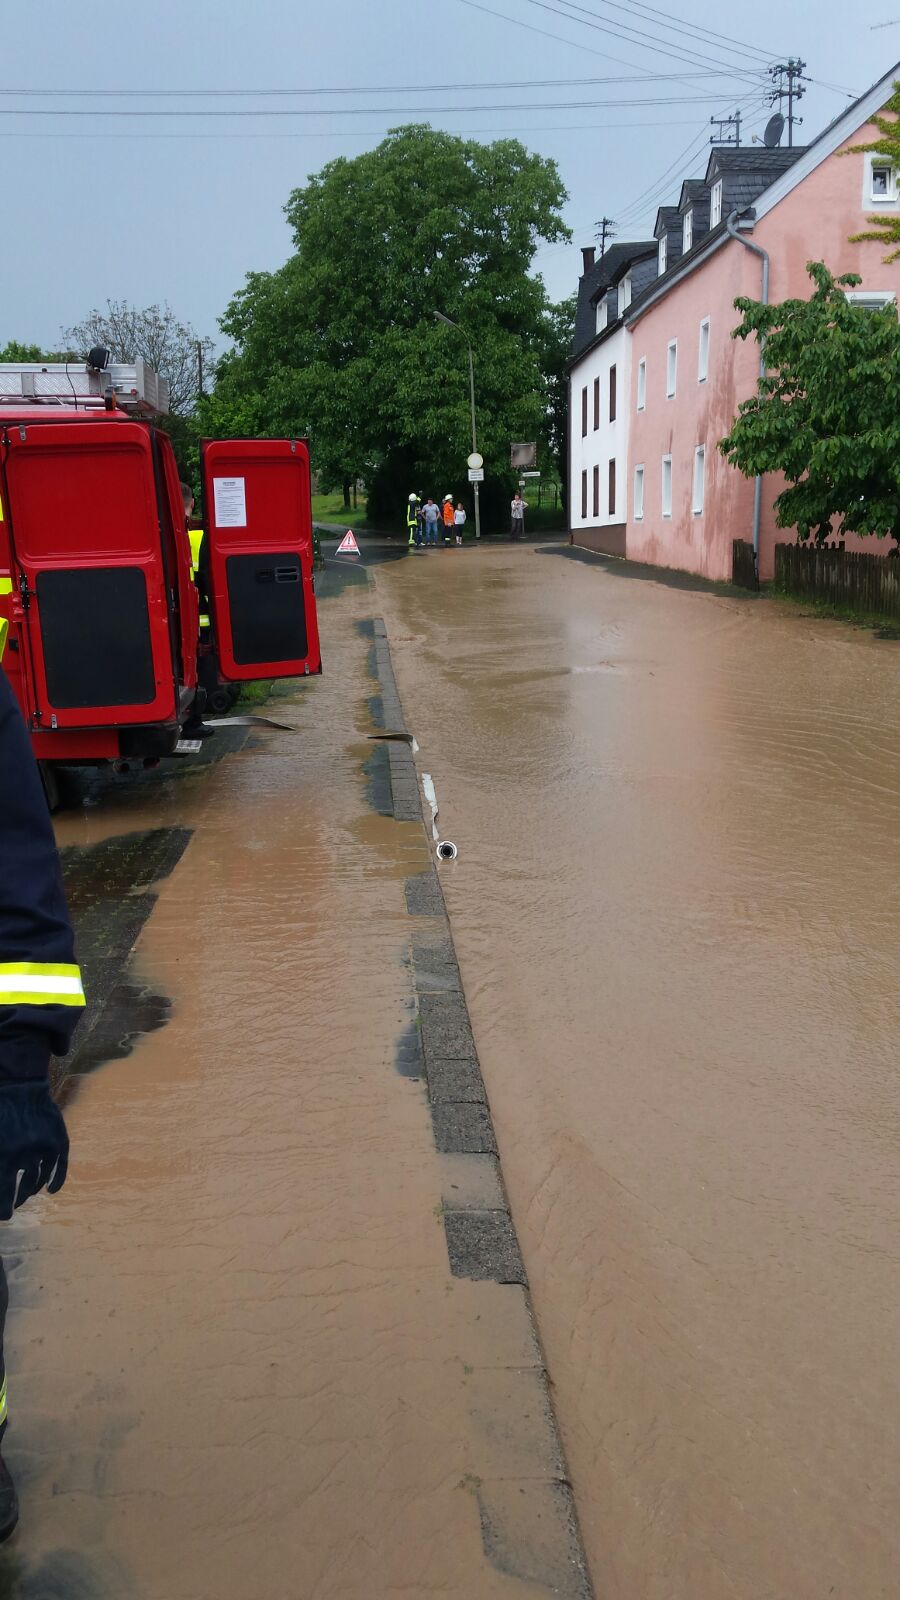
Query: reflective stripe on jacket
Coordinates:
[41,993]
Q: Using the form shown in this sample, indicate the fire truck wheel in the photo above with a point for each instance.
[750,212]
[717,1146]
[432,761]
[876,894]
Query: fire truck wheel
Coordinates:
[220,700]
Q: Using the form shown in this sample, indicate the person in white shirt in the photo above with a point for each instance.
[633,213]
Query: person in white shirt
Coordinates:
[517,517]
[459,520]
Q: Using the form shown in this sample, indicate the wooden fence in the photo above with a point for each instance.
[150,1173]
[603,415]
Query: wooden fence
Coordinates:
[868,585]
[743,564]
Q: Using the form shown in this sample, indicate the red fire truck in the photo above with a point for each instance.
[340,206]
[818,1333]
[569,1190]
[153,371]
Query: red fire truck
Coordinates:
[95,564]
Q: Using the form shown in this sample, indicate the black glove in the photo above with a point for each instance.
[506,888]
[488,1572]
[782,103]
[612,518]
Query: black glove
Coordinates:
[33,1141]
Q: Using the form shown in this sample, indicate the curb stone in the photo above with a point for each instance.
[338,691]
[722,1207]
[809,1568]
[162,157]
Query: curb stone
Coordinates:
[529,1522]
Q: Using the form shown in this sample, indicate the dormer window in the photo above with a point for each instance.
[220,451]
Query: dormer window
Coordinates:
[624,294]
[661,257]
[602,315]
[715,205]
[688,235]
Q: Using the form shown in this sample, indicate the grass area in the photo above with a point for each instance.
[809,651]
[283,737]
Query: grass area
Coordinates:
[883,626]
[331,508]
[543,519]
[255,694]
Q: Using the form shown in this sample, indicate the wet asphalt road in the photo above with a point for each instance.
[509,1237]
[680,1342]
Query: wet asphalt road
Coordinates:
[240,1363]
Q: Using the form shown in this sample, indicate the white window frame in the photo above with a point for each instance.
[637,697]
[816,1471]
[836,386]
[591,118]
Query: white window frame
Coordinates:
[698,493]
[715,204]
[666,479]
[687,233]
[671,369]
[891,199]
[661,255]
[624,295]
[871,299]
[703,352]
[638,494]
[602,315]
[642,384]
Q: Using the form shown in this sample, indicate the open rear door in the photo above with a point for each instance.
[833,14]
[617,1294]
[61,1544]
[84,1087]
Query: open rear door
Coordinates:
[259,564]
[88,564]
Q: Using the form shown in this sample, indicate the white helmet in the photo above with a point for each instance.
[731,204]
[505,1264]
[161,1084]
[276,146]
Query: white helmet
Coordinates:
[447,497]
[413,497]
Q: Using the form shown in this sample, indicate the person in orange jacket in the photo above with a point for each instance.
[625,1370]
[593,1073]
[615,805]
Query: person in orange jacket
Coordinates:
[448,518]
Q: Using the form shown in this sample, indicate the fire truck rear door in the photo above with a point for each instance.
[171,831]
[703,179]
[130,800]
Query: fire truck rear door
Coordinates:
[84,529]
[259,564]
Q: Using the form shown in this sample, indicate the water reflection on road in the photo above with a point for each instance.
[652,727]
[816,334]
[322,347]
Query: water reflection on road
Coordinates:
[678,919]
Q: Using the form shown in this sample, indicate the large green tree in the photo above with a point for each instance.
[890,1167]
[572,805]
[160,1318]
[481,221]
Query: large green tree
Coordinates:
[827,414]
[341,343]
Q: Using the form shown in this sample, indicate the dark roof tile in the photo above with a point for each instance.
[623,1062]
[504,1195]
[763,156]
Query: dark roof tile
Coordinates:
[599,277]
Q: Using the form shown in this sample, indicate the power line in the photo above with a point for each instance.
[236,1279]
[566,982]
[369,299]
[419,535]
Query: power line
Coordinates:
[576,44]
[639,205]
[639,6]
[666,49]
[260,94]
[367,111]
[355,133]
[758,56]
[579,45]
[634,212]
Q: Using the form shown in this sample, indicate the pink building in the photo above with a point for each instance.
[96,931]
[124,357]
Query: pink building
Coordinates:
[687,376]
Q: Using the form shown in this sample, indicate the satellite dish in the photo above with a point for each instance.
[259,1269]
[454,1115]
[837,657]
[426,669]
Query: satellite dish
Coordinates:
[774,130]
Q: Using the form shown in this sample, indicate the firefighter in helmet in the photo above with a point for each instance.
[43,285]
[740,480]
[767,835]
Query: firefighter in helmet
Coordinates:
[41,999]
[412,521]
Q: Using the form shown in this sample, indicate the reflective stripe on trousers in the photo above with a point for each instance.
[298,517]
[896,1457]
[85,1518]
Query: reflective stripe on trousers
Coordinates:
[40,983]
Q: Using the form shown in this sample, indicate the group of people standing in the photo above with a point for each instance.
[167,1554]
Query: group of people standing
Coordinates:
[427,521]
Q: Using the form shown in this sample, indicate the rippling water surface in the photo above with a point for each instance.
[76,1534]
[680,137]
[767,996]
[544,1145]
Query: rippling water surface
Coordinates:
[677,908]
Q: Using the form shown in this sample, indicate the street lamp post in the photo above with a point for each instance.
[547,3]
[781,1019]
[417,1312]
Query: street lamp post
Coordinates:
[439,315]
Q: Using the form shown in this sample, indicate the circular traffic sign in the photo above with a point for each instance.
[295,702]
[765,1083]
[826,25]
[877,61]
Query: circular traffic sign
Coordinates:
[475,460]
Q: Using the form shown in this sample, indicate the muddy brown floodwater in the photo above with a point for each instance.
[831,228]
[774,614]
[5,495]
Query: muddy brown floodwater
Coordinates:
[240,1368]
[677,912]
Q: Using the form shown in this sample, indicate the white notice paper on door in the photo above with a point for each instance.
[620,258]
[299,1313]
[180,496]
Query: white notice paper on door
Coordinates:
[231,502]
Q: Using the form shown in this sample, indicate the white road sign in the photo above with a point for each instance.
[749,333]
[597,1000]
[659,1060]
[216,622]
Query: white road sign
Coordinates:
[476,474]
[475,460]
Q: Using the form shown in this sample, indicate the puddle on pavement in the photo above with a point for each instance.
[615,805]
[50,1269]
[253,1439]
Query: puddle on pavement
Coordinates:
[676,914]
[238,1359]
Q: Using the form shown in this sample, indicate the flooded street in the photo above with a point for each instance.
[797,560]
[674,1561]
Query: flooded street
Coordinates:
[677,916]
[240,1367]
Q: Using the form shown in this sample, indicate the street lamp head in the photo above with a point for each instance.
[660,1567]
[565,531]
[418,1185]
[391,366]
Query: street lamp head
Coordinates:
[439,315]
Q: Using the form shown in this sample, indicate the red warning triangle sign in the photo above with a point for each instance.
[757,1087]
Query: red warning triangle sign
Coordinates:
[348,545]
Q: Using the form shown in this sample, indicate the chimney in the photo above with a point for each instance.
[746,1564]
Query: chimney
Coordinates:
[587,256]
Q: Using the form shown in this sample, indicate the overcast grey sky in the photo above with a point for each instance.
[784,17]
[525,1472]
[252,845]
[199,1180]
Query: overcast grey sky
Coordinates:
[180,208]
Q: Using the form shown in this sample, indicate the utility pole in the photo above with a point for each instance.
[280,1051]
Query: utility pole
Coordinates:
[787,84]
[439,317]
[721,137]
[200,368]
[607,230]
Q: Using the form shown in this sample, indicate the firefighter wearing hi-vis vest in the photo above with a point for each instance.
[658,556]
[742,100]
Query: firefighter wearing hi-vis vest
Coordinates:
[195,534]
[41,999]
[412,521]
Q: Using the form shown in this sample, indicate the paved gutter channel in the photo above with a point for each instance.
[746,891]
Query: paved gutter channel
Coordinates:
[529,1526]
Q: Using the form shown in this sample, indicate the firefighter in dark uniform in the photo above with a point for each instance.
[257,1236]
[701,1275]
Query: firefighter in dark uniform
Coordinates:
[41,999]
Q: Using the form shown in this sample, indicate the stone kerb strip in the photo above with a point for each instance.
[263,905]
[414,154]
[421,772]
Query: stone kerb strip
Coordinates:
[529,1523]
